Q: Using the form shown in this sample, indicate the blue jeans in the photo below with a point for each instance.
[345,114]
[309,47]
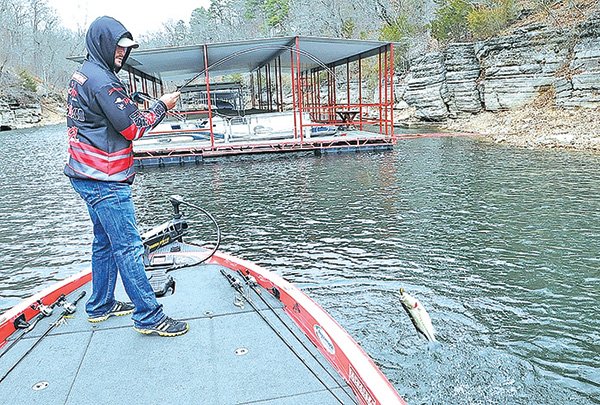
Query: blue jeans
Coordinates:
[117,247]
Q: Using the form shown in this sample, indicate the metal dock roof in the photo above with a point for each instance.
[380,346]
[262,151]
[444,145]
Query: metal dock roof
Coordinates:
[184,62]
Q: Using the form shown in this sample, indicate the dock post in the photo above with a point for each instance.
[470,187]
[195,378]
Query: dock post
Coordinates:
[299,95]
[207,76]
[360,103]
[292,67]
[392,74]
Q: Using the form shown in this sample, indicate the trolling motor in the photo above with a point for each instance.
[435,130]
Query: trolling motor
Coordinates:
[171,231]
[167,232]
[157,237]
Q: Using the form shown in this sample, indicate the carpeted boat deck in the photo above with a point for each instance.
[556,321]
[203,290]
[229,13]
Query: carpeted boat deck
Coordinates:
[110,363]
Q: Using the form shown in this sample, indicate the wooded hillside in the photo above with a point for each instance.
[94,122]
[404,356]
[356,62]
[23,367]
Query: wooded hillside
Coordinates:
[35,45]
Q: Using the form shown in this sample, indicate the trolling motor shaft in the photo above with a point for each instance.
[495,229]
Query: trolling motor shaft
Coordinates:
[176,201]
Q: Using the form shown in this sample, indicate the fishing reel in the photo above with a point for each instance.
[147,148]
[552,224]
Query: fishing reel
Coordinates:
[46,310]
[69,307]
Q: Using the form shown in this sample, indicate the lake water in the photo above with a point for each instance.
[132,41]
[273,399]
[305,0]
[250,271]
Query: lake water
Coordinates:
[501,245]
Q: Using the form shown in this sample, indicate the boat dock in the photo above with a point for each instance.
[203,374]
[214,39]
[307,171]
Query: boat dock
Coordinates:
[186,150]
[268,95]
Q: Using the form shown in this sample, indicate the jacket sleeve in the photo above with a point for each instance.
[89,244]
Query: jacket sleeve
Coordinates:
[124,114]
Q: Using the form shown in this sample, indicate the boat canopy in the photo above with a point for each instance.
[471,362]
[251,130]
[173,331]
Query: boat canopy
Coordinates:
[184,62]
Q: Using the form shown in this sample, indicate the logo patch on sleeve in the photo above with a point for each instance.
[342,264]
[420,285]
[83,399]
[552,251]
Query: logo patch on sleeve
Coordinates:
[115,89]
[79,78]
[122,102]
[138,119]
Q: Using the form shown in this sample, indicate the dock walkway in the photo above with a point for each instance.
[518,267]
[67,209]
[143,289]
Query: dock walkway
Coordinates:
[171,151]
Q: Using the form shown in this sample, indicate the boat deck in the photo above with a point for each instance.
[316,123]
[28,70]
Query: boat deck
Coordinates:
[110,363]
[182,149]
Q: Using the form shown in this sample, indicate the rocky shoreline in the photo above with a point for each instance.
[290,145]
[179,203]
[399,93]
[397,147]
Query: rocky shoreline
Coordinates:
[535,86]
[532,127]
[28,112]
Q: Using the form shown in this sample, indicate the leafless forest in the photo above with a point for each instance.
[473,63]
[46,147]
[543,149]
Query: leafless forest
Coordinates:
[35,44]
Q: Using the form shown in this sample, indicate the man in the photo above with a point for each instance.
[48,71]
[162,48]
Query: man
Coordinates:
[102,122]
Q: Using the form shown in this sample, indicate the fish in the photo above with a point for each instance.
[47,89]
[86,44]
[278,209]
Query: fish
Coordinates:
[418,315]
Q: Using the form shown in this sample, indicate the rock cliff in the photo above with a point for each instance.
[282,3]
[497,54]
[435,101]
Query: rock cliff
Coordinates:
[15,113]
[507,72]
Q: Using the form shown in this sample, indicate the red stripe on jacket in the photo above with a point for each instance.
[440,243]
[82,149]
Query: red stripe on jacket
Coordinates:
[102,164]
[134,132]
[90,148]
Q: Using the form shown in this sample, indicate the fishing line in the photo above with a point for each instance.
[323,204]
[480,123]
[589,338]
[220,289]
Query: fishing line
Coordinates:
[235,283]
[252,284]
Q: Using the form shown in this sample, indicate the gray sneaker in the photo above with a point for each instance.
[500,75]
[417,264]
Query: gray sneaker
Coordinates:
[118,309]
[166,327]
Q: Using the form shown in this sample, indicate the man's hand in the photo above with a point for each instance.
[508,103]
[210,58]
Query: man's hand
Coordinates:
[170,99]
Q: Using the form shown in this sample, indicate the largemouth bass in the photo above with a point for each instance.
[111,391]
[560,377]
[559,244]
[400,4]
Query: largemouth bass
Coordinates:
[418,315]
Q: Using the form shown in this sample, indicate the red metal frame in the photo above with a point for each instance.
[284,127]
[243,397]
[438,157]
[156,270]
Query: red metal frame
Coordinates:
[392,98]
[306,93]
[207,76]
[299,89]
[292,70]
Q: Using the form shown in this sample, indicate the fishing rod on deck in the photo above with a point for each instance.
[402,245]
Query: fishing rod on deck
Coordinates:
[237,286]
[253,284]
[23,324]
[69,308]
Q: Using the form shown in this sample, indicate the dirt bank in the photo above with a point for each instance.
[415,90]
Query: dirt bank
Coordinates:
[536,127]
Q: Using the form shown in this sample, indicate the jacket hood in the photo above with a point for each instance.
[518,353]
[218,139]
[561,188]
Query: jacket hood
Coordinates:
[101,42]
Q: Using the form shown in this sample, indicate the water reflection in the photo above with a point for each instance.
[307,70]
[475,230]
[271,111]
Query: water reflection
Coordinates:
[501,245]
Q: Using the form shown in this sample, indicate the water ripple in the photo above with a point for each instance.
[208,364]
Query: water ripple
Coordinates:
[501,245]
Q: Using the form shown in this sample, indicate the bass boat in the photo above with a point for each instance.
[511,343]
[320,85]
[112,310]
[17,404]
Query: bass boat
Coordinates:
[253,338]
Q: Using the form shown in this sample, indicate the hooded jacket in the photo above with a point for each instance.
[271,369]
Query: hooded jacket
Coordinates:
[102,120]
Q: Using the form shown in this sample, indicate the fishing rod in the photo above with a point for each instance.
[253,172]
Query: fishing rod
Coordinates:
[21,323]
[139,97]
[237,285]
[69,308]
[252,283]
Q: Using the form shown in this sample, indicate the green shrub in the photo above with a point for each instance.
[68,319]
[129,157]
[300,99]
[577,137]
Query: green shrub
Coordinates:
[28,81]
[486,21]
[450,21]
[348,27]
[400,29]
